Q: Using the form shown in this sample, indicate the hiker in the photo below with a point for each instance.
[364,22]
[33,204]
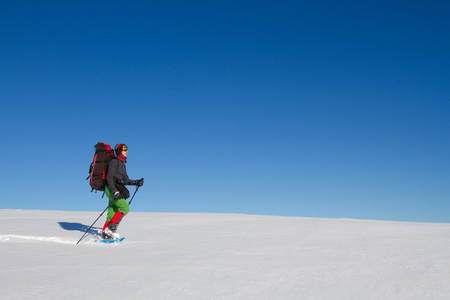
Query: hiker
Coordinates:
[115,189]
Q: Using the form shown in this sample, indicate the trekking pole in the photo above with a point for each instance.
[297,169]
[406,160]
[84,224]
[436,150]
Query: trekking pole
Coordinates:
[92,225]
[137,187]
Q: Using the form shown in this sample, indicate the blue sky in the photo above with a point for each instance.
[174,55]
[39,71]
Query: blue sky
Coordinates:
[321,109]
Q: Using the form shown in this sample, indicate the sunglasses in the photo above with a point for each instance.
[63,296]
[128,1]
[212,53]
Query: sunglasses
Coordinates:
[124,148]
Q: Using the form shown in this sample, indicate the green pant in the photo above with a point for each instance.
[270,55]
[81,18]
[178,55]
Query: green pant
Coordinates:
[115,205]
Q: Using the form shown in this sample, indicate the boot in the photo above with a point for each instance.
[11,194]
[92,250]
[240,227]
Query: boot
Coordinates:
[105,236]
[111,231]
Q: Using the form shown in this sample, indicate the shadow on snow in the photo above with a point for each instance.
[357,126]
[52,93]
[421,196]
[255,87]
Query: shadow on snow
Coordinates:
[78,227]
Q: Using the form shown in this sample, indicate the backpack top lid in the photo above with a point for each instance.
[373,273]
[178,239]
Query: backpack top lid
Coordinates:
[102,147]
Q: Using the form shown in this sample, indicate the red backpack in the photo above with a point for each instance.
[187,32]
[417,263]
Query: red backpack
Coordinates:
[99,167]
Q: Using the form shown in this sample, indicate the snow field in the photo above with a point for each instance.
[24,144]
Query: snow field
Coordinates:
[221,256]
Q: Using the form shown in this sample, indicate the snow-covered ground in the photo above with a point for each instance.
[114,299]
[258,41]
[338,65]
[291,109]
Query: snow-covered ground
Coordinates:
[221,256]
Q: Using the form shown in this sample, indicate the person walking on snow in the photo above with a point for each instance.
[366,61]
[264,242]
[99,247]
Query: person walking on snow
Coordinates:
[117,193]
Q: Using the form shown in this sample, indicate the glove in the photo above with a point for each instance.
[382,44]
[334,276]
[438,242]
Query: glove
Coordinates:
[117,195]
[140,182]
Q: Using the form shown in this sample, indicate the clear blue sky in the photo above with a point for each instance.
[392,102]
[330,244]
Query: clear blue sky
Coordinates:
[334,109]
